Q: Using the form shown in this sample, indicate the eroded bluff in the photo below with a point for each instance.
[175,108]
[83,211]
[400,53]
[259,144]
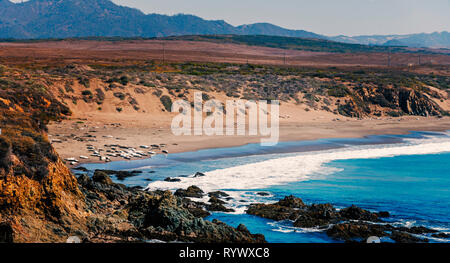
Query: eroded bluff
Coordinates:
[42,201]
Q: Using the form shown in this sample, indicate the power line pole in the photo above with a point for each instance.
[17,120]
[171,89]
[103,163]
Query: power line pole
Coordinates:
[164,52]
[389,58]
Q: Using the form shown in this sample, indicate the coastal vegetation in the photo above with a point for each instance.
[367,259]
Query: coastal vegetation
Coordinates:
[348,92]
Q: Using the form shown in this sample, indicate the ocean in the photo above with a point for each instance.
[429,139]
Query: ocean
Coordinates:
[407,175]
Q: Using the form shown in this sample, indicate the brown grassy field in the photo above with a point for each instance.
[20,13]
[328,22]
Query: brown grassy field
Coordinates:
[80,51]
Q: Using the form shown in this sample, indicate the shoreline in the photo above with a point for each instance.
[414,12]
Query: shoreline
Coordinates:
[134,136]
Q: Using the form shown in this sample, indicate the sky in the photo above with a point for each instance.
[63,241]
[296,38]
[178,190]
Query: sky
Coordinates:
[328,17]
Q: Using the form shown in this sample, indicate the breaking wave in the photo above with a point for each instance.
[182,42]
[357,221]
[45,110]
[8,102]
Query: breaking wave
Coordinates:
[300,167]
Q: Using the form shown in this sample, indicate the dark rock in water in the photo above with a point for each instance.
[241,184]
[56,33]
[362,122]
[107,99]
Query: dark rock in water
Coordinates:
[217,207]
[243,228]
[130,215]
[218,194]
[172,180]
[151,172]
[402,237]
[198,174]
[148,179]
[356,231]
[121,175]
[81,168]
[441,235]
[195,208]
[349,224]
[136,172]
[263,194]
[418,230]
[272,211]
[317,215]
[101,177]
[287,208]
[383,214]
[215,200]
[356,213]
[292,202]
[163,217]
[191,191]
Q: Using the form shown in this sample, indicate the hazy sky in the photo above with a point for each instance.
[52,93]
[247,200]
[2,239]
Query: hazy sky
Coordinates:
[329,17]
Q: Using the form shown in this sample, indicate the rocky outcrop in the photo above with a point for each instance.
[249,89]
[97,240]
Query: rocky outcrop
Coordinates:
[356,231]
[352,224]
[191,191]
[356,213]
[217,205]
[128,214]
[394,99]
[317,215]
[42,201]
[163,217]
[404,237]
[282,210]
[39,197]
[411,102]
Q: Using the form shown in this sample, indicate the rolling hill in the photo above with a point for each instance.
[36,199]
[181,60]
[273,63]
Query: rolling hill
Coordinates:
[42,19]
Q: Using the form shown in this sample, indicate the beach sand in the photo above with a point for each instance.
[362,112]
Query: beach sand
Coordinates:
[135,130]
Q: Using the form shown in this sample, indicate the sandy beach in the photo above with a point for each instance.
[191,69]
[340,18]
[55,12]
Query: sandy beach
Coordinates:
[132,133]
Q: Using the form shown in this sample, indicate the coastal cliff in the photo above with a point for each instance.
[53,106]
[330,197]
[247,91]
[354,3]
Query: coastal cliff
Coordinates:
[38,193]
[42,201]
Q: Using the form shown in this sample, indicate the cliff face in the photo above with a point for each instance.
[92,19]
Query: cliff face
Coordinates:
[394,101]
[42,201]
[38,193]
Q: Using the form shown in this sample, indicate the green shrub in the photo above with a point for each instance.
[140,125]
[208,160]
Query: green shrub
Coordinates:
[119,95]
[124,80]
[167,102]
[339,91]
[394,114]
[86,93]
[84,81]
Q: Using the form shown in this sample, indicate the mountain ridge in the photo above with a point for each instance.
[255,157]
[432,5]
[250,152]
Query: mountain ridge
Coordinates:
[40,19]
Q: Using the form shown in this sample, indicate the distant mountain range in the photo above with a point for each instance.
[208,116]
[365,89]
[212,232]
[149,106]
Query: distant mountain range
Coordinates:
[434,40]
[37,19]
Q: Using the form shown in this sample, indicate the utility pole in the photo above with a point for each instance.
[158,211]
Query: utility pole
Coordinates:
[420,60]
[389,58]
[164,52]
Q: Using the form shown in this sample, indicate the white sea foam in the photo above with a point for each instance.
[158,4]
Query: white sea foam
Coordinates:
[288,228]
[241,180]
[300,167]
